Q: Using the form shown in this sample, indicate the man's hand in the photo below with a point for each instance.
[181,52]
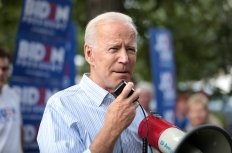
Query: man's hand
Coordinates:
[119,116]
[122,110]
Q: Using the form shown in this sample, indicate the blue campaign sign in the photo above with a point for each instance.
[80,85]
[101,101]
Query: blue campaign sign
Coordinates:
[47,17]
[48,61]
[45,56]
[43,60]
[163,71]
[41,67]
[33,98]
[69,70]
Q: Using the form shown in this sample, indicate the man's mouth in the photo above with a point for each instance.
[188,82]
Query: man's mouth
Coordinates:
[121,72]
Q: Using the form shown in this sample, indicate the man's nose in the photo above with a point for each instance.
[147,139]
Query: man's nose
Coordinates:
[123,57]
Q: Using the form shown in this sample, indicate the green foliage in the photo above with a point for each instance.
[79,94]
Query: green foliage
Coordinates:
[201,32]
[10,13]
[201,29]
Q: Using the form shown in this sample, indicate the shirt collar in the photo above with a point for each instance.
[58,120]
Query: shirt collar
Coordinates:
[93,90]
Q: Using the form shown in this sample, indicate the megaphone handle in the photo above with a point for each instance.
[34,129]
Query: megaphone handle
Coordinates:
[145,145]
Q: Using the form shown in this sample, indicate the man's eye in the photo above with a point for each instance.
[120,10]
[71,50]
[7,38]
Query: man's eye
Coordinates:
[113,49]
[131,50]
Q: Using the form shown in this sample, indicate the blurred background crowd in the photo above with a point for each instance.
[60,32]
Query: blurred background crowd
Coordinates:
[202,43]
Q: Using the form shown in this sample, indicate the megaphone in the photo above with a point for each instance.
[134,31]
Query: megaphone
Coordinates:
[167,138]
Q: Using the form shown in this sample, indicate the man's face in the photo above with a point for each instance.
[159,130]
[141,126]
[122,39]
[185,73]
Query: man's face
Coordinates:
[145,99]
[113,56]
[4,67]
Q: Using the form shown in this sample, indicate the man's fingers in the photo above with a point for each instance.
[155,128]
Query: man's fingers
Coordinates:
[130,94]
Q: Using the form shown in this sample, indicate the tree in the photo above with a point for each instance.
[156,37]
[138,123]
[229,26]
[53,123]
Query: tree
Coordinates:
[202,31]
[10,13]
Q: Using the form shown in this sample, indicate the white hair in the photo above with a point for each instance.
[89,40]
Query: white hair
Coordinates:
[90,31]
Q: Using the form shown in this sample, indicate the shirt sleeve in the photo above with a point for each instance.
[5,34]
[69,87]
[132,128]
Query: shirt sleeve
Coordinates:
[57,135]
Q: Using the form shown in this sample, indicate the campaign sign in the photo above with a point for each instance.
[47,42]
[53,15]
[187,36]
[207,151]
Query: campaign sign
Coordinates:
[33,100]
[48,61]
[43,60]
[70,69]
[163,71]
[47,17]
[35,54]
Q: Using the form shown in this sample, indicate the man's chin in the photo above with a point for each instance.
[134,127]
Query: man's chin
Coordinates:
[120,78]
[123,76]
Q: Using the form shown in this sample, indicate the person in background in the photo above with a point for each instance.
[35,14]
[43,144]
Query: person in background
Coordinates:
[87,117]
[198,112]
[181,110]
[10,115]
[146,97]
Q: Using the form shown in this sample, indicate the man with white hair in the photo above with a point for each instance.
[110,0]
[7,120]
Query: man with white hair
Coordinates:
[146,97]
[87,117]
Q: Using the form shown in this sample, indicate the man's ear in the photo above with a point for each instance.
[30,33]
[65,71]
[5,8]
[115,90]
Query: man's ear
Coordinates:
[89,57]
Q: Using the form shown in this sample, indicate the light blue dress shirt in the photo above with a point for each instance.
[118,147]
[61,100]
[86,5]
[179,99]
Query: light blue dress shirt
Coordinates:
[73,117]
